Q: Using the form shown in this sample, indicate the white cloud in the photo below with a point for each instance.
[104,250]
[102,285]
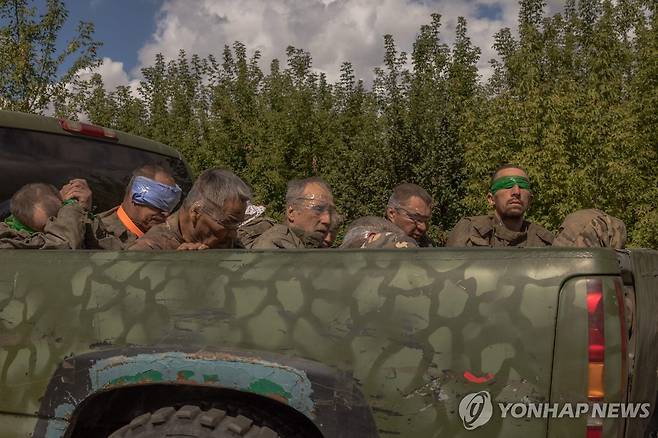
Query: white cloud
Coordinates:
[112,72]
[333,31]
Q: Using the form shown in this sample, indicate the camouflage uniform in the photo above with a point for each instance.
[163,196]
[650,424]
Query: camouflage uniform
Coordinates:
[282,237]
[384,240]
[65,231]
[489,231]
[425,242]
[114,234]
[591,228]
[167,236]
[389,240]
[253,229]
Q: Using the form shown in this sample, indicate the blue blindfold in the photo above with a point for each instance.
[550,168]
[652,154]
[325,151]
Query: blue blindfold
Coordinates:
[145,191]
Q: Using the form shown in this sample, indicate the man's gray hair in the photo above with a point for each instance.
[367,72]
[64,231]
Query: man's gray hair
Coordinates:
[296,188]
[216,186]
[359,230]
[403,192]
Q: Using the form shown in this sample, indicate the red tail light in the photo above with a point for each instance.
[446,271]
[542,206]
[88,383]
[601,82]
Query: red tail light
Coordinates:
[596,351]
[87,129]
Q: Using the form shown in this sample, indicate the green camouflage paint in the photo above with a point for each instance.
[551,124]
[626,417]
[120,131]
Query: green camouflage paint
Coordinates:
[407,325]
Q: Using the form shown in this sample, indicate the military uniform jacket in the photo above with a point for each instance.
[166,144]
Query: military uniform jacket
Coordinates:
[249,232]
[64,231]
[165,236]
[426,242]
[278,236]
[117,235]
[491,232]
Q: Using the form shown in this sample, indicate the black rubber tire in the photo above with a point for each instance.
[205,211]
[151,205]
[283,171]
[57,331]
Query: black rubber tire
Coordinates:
[191,422]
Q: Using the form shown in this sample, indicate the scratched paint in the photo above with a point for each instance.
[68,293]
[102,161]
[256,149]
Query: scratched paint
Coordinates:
[252,375]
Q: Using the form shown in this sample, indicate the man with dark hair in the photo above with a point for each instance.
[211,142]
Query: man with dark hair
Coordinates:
[46,218]
[510,197]
[410,208]
[376,232]
[309,210]
[150,197]
[208,218]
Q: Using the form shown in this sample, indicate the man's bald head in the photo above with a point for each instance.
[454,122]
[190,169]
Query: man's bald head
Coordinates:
[33,204]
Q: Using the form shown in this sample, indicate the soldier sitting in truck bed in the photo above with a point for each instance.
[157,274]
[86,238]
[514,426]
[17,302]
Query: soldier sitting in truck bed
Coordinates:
[510,196]
[150,197]
[309,209]
[410,208]
[376,232]
[45,218]
[591,228]
[209,217]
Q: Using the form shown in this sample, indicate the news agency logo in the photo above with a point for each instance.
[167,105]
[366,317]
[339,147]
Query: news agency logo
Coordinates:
[475,409]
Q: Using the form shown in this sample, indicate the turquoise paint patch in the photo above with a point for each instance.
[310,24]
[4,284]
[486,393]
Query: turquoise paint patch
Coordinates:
[145,377]
[57,426]
[228,372]
[266,387]
[65,410]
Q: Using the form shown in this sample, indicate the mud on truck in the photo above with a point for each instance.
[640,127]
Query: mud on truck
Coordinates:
[303,343]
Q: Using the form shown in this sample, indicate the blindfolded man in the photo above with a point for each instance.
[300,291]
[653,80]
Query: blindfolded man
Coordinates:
[510,197]
[151,196]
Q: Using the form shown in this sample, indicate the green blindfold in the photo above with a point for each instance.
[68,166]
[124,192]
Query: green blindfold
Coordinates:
[507,182]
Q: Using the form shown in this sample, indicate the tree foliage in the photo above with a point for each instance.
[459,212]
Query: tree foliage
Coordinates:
[33,73]
[573,98]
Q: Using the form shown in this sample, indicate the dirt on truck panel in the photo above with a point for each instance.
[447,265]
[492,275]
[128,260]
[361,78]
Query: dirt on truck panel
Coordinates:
[409,333]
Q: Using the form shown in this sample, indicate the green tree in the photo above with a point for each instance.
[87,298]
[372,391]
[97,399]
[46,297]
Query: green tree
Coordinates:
[32,71]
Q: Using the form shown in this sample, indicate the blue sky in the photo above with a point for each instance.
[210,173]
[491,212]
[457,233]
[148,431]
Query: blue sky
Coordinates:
[123,26]
[334,31]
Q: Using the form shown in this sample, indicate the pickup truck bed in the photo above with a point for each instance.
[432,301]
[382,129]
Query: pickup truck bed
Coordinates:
[345,343]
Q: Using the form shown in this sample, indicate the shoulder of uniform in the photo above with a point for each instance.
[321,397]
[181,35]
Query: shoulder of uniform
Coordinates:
[273,237]
[542,232]
[483,224]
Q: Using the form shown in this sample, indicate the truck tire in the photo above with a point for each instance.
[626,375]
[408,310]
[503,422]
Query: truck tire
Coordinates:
[190,421]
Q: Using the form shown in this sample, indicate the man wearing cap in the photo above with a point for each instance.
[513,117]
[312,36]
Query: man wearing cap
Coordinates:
[510,197]
[309,211]
[150,197]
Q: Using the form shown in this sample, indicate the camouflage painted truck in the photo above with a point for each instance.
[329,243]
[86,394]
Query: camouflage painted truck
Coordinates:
[222,343]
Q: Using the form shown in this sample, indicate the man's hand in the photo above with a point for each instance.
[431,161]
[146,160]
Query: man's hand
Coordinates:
[77,189]
[187,246]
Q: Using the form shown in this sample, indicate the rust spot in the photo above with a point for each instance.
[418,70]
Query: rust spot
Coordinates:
[185,376]
[277,397]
